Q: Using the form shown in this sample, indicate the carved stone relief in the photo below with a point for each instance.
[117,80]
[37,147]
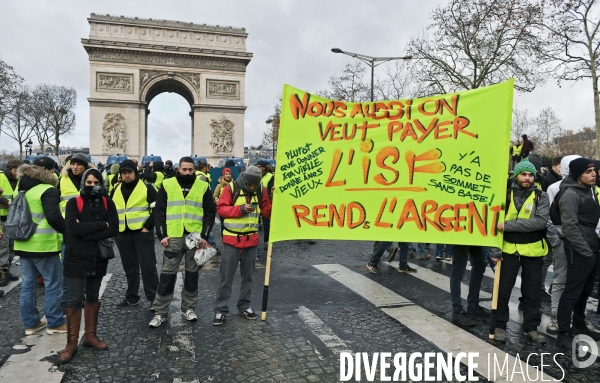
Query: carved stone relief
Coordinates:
[114,82]
[114,133]
[222,135]
[181,61]
[223,89]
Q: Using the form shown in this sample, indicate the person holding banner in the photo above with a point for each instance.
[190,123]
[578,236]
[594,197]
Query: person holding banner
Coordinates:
[268,181]
[524,247]
[239,206]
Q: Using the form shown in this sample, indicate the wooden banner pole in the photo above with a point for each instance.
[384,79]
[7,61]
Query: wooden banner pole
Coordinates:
[266,288]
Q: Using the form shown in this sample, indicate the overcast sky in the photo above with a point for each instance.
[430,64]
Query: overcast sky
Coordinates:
[290,39]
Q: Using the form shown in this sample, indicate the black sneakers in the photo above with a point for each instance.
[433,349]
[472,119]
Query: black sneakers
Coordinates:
[219,319]
[564,340]
[461,318]
[125,303]
[248,314]
[373,268]
[406,269]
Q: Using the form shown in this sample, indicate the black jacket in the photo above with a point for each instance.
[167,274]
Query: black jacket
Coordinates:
[31,176]
[549,179]
[160,211]
[81,253]
[579,213]
[126,190]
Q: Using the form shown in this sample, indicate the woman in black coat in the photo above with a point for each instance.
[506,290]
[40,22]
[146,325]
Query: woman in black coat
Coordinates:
[97,220]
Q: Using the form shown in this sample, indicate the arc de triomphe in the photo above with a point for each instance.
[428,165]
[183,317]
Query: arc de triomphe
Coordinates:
[132,60]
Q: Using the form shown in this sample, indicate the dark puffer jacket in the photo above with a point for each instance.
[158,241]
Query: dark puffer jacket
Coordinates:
[84,230]
[579,213]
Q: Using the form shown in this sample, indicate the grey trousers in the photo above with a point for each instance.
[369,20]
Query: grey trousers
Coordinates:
[7,250]
[168,276]
[560,275]
[230,257]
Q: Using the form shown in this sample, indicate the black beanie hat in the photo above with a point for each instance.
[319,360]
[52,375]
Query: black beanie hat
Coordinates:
[80,159]
[578,166]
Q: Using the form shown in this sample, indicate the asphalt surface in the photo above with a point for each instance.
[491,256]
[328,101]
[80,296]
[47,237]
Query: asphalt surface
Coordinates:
[311,318]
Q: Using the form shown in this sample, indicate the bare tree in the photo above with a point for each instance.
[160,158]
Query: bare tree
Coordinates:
[398,82]
[38,114]
[573,43]
[547,128]
[60,102]
[9,82]
[16,124]
[474,43]
[271,135]
[521,123]
[350,86]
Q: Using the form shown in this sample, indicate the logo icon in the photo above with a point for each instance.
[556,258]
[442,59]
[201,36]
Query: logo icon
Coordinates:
[584,347]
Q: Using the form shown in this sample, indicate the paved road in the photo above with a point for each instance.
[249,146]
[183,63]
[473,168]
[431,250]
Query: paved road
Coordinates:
[323,304]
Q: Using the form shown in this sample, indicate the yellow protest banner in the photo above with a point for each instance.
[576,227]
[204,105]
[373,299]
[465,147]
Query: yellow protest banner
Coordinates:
[428,170]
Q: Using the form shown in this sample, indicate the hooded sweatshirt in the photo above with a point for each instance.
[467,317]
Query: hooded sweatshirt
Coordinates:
[564,171]
[31,176]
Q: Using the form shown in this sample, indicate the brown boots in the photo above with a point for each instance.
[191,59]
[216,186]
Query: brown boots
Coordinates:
[89,336]
[90,339]
[73,323]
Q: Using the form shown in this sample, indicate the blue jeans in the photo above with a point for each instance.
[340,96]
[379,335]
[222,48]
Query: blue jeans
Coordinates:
[211,240]
[439,250]
[460,255]
[51,271]
[422,248]
[383,247]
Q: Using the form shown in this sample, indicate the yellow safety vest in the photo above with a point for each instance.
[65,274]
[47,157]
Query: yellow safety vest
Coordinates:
[517,150]
[159,179]
[45,239]
[538,248]
[183,212]
[67,191]
[199,173]
[8,192]
[266,179]
[136,211]
[248,223]
[110,182]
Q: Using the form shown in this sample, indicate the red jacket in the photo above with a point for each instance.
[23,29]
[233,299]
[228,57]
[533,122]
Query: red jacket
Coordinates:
[225,209]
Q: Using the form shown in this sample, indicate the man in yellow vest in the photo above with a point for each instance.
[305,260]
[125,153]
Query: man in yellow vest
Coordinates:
[134,201]
[71,179]
[268,181]
[239,207]
[155,174]
[8,184]
[524,247]
[184,205]
[515,153]
[203,173]
[40,253]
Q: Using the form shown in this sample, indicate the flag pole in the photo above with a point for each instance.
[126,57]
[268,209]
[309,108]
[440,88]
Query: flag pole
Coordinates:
[266,288]
[495,299]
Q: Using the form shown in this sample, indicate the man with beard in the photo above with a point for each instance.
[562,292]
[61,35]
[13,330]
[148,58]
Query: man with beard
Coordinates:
[133,199]
[184,205]
[8,184]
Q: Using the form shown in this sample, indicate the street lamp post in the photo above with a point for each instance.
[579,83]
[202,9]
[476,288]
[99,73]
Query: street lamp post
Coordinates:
[370,61]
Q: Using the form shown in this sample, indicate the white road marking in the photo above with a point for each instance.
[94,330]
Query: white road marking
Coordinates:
[29,366]
[436,330]
[183,337]
[322,331]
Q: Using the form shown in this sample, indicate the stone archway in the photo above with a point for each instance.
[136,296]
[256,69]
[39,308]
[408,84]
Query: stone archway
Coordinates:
[133,60]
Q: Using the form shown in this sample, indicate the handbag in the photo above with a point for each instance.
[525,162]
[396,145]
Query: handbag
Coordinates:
[106,249]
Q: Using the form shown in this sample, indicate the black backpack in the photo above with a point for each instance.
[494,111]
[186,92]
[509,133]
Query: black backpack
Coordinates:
[19,223]
[555,211]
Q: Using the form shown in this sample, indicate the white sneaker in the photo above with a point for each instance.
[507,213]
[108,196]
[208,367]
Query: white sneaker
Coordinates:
[157,321]
[189,315]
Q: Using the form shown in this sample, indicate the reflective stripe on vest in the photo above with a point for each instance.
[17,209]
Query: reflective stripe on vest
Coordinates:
[517,150]
[159,179]
[67,191]
[8,192]
[536,249]
[183,212]
[248,223]
[136,211]
[45,239]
